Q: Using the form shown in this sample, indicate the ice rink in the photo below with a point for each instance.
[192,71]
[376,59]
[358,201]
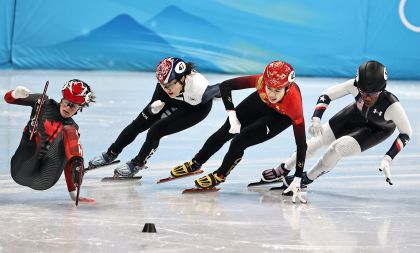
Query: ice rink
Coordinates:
[351,209]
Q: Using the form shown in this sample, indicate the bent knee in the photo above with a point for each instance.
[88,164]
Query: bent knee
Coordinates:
[154,133]
[239,142]
[345,146]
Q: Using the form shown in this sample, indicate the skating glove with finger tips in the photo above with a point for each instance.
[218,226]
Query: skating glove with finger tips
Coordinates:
[315,129]
[295,188]
[386,168]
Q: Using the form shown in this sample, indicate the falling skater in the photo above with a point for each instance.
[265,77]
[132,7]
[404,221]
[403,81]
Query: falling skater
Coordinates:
[39,162]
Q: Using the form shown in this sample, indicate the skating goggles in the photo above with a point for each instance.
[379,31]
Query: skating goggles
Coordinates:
[170,84]
[70,104]
[370,94]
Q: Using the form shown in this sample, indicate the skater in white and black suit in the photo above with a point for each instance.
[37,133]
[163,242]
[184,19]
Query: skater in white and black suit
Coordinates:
[182,98]
[368,121]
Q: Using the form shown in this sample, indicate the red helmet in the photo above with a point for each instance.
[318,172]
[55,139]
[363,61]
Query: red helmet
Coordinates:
[77,91]
[169,69]
[279,74]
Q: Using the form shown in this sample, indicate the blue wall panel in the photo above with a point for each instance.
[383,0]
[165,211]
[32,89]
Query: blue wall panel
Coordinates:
[393,42]
[6,24]
[319,38]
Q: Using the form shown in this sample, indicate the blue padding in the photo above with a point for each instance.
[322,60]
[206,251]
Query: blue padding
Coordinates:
[6,20]
[319,38]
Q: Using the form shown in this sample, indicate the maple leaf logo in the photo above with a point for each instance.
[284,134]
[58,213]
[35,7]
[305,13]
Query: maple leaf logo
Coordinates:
[52,128]
[77,88]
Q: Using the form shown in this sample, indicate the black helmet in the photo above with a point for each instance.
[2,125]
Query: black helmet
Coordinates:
[371,76]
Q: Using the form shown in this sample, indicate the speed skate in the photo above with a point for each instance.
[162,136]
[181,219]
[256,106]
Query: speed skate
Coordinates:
[117,178]
[199,190]
[263,183]
[163,180]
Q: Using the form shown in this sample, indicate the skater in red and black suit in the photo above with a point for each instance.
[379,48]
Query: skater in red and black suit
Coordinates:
[274,106]
[39,162]
[361,125]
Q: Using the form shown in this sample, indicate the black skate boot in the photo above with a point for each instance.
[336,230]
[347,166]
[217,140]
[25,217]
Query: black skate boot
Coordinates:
[303,183]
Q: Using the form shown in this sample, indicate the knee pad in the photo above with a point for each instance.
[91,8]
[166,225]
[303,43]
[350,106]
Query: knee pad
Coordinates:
[342,147]
[345,146]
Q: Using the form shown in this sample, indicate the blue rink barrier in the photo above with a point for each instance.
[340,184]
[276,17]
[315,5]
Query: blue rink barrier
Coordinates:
[319,38]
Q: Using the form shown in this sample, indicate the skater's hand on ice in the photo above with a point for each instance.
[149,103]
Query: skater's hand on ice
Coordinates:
[315,129]
[20,92]
[295,188]
[86,200]
[235,125]
[156,106]
[386,168]
[73,195]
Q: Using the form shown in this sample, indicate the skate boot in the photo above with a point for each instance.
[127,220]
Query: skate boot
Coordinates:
[209,181]
[185,169]
[275,174]
[303,183]
[102,160]
[128,169]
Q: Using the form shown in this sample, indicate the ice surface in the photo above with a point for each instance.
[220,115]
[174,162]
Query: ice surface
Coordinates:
[350,209]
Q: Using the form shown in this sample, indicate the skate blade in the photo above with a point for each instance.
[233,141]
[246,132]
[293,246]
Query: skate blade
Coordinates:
[283,187]
[92,167]
[163,180]
[198,190]
[116,179]
[262,183]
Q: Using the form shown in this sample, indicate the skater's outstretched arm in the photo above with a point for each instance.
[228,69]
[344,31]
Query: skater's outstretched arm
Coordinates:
[295,111]
[21,96]
[226,88]
[211,92]
[330,94]
[396,113]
